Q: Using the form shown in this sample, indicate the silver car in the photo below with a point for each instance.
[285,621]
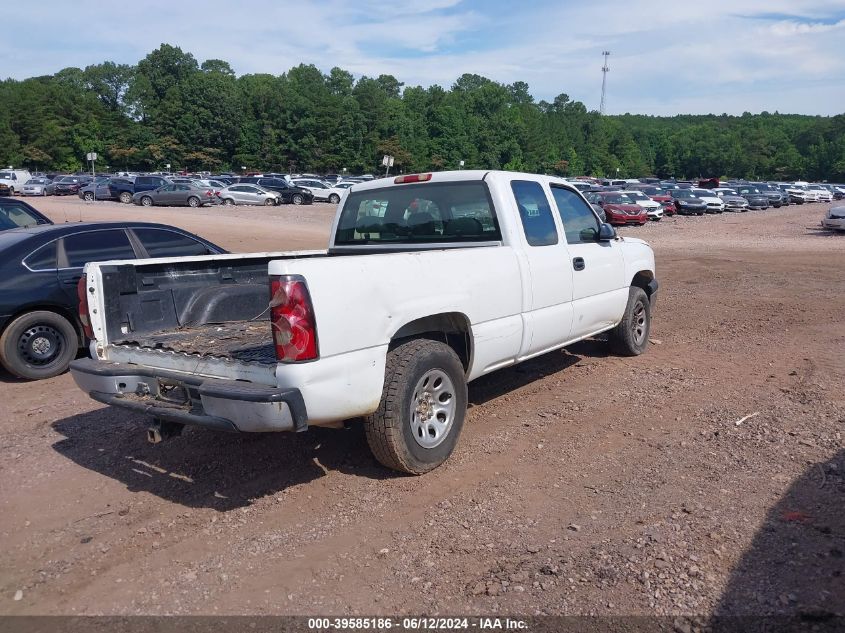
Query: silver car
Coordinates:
[35,187]
[247,194]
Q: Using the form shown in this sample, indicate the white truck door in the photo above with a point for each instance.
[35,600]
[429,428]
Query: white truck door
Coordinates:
[599,289]
[548,313]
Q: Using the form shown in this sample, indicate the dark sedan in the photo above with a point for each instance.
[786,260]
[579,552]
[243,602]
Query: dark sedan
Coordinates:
[40,269]
[686,203]
[756,200]
[288,193]
[16,214]
[176,195]
[69,185]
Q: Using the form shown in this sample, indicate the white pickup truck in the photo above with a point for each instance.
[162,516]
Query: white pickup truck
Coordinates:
[429,281]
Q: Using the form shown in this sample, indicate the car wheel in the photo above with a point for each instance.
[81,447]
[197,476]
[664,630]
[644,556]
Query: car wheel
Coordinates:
[147,201]
[422,408]
[630,337]
[126,197]
[334,198]
[268,202]
[88,196]
[297,198]
[193,201]
[228,202]
[38,345]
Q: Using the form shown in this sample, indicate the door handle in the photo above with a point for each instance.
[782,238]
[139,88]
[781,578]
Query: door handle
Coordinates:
[578,263]
[72,281]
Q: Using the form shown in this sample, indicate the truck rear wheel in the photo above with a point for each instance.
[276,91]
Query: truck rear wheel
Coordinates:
[422,408]
[630,337]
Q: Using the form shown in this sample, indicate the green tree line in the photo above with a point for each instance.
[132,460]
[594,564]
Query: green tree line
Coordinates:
[169,108]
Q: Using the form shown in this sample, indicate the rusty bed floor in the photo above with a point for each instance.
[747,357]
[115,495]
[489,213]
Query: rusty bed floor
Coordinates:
[247,341]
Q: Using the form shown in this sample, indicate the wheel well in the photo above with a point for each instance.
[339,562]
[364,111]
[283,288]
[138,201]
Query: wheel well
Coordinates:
[452,328]
[642,279]
[73,319]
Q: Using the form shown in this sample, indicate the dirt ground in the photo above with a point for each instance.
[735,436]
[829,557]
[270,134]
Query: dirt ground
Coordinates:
[705,477]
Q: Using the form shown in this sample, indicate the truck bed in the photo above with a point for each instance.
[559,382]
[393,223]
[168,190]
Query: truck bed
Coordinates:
[244,341]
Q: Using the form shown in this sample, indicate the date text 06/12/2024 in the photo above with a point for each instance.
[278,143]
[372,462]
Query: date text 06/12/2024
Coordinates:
[413,624]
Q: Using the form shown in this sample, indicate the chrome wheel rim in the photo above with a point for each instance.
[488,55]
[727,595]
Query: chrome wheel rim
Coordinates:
[147,202]
[638,323]
[193,202]
[40,345]
[297,199]
[433,408]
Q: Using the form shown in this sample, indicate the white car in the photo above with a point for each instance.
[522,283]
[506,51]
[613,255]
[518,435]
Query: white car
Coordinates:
[653,209]
[322,190]
[248,194]
[810,195]
[515,265]
[714,203]
[822,194]
[834,219]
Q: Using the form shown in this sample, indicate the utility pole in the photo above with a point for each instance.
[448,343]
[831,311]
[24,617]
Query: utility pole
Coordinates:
[604,70]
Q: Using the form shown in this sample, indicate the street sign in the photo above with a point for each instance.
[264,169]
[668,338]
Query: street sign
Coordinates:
[91,156]
[387,161]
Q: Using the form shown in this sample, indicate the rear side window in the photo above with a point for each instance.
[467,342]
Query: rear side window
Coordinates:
[97,246]
[418,214]
[42,259]
[14,215]
[160,243]
[535,213]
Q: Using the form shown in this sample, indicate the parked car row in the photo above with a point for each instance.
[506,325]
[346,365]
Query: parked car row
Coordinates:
[626,202]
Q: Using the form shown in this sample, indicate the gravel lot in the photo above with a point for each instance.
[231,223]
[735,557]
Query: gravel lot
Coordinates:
[704,477]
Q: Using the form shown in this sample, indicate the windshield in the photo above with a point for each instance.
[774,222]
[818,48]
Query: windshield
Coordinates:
[702,193]
[617,198]
[727,192]
[682,193]
[13,216]
[636,195]
[37,181]
[418,214]
[749,190]
[653,191]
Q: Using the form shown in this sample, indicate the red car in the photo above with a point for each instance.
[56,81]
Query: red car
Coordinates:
[620,209]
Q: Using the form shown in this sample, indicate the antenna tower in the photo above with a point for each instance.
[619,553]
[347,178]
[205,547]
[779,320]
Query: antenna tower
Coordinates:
[604,70]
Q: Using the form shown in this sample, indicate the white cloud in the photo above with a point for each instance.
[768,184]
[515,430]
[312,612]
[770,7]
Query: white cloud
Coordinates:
[667,57]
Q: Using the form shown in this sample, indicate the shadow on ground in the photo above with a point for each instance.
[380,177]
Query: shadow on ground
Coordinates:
[793,573]
[224,471]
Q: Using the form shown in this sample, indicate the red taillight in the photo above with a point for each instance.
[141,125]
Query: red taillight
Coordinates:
[399,180]
[292,319]
[82,293]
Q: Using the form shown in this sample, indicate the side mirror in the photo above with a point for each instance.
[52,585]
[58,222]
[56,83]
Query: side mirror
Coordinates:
[606,232]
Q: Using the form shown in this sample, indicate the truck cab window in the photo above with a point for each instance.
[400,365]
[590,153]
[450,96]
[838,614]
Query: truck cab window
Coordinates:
[579,222]
[535,213]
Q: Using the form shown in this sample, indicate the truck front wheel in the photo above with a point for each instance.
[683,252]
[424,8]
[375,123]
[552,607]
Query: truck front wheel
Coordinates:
[422,409]
[630,337]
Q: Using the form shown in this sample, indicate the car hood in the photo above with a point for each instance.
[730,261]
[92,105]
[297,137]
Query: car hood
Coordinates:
[696,201]
[836,213]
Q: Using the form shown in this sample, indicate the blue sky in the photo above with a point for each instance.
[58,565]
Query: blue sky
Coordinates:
[667,57]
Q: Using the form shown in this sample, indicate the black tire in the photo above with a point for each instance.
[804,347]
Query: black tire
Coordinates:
[38,345]
[88,196]
[193,201]
[334,198]
[630,337]
[269,202]
[228,202]
[146,201]
[11,191]
[389,430]
[125,197]
[297,198]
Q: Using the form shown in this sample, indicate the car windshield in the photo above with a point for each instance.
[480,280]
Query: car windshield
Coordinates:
[702,193]
[617,198]
[682,193]
[727,192]
[653,191]
[37,181]
[637,195]
[13,216]
[749,190]
[5,175]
